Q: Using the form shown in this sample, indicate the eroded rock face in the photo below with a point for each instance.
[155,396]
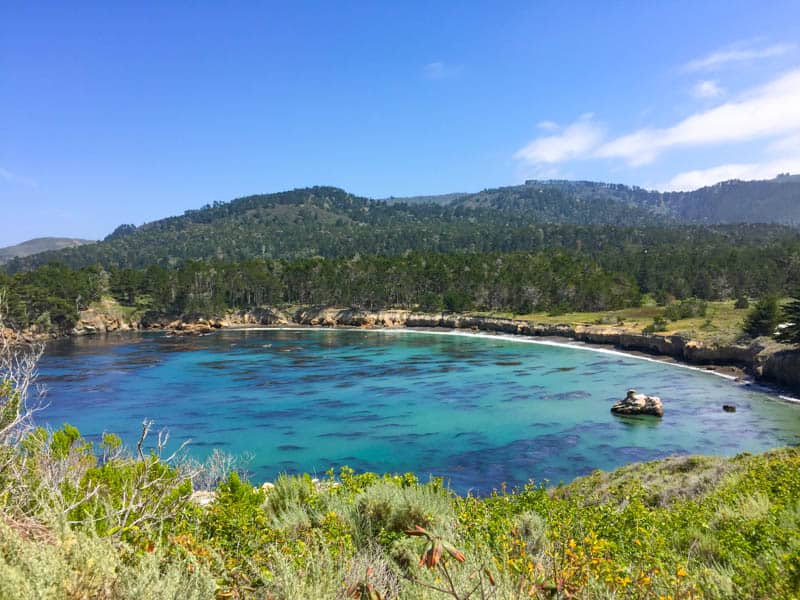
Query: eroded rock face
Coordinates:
[639,404]
[92,321]
[783,367]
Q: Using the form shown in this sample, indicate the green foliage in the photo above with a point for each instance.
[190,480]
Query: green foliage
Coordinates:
[9,404]
[686,309]
[659,324]
[63,440]
[50,297]
[77,565]
[763,318]
[789,331]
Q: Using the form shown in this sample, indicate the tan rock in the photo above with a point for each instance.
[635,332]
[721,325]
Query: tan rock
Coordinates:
[639,404]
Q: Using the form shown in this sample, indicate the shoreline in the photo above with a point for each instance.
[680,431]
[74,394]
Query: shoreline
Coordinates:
[762,361]
[555,341]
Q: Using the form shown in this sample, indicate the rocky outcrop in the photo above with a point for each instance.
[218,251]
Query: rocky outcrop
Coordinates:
[93,321]
[351,317]
[639,404]
[259,316]
[782,367]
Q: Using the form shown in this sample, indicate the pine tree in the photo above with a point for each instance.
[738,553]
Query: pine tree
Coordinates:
[789,332]
[763,318]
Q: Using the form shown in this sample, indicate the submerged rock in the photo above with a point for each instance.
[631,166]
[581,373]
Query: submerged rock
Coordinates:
[639,404]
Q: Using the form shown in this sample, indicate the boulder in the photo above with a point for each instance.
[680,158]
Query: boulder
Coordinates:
[638,404]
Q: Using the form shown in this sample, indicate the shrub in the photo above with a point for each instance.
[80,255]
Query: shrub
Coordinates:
[686,309]
[385,510]
[78,565]
[659,324]
[763,318]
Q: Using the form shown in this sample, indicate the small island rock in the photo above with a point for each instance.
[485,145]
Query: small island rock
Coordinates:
[638,404]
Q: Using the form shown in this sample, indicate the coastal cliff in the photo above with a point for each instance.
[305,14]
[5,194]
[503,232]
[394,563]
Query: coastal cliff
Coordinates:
[770,362]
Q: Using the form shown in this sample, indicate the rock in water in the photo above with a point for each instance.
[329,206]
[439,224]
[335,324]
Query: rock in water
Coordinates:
[638,404]
[729,407]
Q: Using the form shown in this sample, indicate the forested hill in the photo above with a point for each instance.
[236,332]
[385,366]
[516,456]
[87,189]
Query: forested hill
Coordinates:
[325,221]
[37,245]
[329,222]
[772,201]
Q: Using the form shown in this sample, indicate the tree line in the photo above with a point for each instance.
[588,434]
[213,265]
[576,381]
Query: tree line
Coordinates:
[554,281]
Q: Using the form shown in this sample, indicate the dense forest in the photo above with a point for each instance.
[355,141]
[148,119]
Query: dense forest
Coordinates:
[329,222]
[611,271]
[768,201]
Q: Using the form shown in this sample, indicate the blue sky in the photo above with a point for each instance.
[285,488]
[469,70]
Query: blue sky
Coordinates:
[114,112]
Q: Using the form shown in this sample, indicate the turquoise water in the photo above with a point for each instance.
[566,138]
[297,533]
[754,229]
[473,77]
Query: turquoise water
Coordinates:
[478,411]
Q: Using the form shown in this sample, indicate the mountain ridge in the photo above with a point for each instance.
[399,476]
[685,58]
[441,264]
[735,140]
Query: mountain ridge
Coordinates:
[328,221]
[39,244]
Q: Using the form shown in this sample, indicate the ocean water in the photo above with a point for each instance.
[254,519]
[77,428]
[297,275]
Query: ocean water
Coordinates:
[478,411]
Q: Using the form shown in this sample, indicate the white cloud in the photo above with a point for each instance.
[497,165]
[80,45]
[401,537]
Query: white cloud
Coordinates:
[769,111]
[691,180]
[441,70]
[737,55]
[15,179]
[575,141]
[547,125]
[707,89]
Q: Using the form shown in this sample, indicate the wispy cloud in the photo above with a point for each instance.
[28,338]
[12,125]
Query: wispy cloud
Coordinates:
[14,179]
[737,55]
[691,180]
[547,125]
[769,114]
[441,70]
[707,89]
[780,156]
[574,141]
[772,110]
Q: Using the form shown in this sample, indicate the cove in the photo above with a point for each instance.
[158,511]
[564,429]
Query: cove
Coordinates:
[478,411]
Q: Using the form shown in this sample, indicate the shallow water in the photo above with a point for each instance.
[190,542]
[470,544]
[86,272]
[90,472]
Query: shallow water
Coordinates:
[478,411]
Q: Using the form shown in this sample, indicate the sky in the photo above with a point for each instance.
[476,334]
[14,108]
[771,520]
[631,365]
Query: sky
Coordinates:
[126,112]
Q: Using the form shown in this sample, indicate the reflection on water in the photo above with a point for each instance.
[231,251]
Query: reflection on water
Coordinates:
[477,411]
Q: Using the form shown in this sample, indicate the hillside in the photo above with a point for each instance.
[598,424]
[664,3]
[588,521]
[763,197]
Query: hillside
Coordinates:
[772,201]
[38,245]
[329,222]
[325,221]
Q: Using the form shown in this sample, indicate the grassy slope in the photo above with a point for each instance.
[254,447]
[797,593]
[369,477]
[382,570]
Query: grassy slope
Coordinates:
[722,323]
